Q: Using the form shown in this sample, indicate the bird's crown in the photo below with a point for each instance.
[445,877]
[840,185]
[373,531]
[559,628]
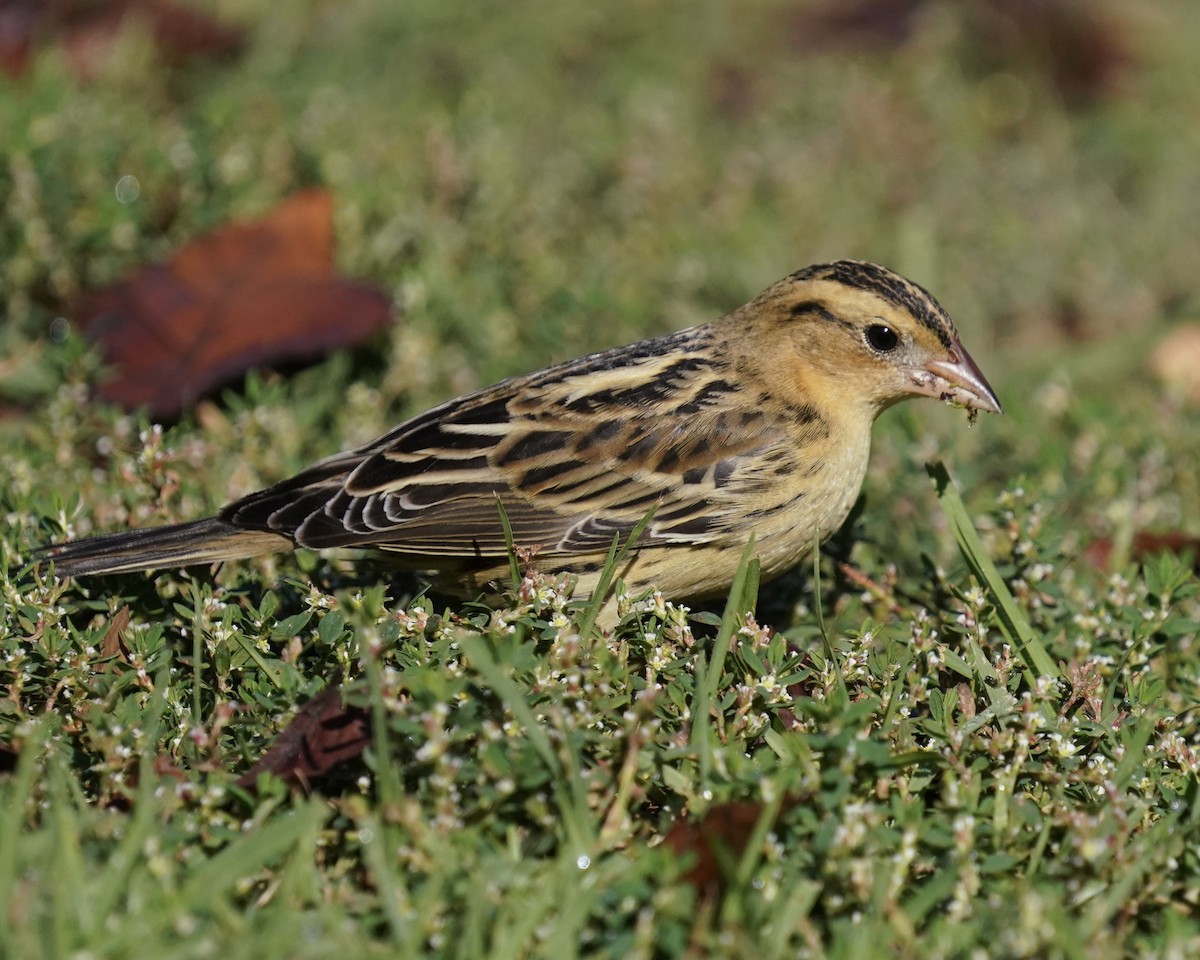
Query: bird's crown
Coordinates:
[889,287]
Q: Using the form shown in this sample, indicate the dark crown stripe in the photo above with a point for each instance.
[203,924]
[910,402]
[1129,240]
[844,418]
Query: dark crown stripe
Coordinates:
[890,287]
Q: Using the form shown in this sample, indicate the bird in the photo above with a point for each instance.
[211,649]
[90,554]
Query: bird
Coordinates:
[756,425]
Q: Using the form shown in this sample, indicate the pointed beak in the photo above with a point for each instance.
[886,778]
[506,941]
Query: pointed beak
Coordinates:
[956,380]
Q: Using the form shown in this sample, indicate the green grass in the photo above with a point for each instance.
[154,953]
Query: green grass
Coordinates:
[996,756]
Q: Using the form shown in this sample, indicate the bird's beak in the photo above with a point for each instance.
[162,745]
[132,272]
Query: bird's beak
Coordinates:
[957,380]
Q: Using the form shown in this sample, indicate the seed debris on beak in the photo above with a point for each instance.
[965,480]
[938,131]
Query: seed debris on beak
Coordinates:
[958,381]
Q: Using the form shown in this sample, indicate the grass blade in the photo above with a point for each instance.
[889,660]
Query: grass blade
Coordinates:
[1012,621]
[514,566]
[742,597]
[612,563]
[843,696]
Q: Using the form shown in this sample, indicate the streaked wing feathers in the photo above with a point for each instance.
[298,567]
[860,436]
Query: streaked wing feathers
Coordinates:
[576,453]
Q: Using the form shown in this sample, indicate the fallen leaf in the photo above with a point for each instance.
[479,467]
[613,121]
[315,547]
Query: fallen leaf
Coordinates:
[113,644]
[1099,553]
[18,21]
[323,735]
[717,841]
[241,296]
[87,31]
[864,25]
[1083,48]
[182,34]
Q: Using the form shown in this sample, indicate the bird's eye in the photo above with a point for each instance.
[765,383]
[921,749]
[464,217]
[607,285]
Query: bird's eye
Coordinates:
[882,337]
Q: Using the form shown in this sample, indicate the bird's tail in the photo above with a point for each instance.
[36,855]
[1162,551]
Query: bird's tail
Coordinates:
[177,545]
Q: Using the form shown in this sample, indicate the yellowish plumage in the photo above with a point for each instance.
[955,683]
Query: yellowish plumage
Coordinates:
[758,423]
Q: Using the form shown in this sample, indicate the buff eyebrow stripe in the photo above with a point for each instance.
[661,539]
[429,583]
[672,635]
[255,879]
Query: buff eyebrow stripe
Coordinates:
[899,292]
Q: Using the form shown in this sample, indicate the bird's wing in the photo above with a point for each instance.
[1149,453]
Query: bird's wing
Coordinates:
[576,453]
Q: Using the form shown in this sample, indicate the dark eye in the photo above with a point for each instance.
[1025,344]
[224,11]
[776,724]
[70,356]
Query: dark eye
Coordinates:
[882,337]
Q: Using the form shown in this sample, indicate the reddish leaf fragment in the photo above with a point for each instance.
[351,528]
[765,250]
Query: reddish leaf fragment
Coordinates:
[324,734]
[165,767]
[18,20]
[718,840]
[865,25]
[182,34]
[1145,544]
[1083,48]
[87,29]
[113,644]
[244,295]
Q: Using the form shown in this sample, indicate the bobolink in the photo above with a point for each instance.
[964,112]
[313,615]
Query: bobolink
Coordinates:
[758,423]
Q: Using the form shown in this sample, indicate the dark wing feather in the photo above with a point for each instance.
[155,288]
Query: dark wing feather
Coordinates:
[576,453]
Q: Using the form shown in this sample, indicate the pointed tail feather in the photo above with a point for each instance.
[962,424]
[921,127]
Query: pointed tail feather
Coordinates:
[177,545]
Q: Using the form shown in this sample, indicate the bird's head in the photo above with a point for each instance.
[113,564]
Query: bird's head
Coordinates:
[867,337]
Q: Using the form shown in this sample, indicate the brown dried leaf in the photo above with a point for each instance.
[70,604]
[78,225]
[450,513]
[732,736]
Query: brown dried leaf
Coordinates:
[717,840]
[18,21]
[243,295]
[865,25]
[1099,553]
[113,644]
[323,735]
[87,30]
[1083,48]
